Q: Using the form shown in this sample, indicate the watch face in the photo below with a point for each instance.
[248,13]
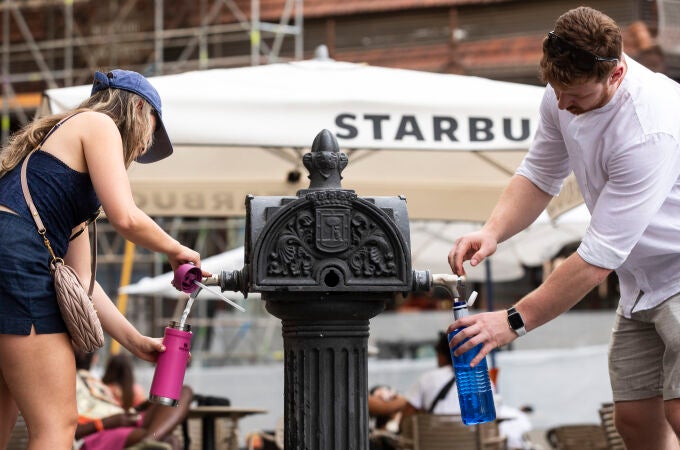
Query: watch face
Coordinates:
[515,320]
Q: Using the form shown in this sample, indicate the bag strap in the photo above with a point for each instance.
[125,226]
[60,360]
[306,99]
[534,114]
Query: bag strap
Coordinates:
[442,393]
[41,227]
[54,128]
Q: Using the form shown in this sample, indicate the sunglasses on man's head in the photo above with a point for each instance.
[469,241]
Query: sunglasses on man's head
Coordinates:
[581,59]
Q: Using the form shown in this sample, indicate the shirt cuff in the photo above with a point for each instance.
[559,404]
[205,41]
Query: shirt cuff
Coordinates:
[599,254]
[549,186]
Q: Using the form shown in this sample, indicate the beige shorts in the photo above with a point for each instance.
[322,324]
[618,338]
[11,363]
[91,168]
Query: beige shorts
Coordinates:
[644,353]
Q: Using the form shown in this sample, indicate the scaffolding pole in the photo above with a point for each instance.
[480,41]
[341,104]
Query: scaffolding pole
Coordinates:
[75,55]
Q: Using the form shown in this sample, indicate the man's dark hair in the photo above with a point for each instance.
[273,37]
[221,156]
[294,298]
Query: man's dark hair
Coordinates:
[588,30]
[442,345]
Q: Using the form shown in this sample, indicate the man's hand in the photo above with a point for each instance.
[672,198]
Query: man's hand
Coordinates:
[473,247]
[489,329]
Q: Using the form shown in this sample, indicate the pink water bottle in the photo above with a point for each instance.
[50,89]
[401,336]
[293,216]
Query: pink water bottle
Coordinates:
[168,378]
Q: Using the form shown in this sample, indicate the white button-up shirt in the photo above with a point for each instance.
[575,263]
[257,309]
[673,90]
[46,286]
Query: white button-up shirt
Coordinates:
[626,159]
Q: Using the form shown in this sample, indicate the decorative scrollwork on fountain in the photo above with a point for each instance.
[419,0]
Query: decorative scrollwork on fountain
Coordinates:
[369,253]
[374,255]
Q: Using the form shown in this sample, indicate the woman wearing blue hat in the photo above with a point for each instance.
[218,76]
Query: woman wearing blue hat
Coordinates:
[79,166]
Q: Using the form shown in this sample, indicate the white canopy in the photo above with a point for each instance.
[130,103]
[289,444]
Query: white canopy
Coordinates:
[161,284]
[449,143]
[432,240]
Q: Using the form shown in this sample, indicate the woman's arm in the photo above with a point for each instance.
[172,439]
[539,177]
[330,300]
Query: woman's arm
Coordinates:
[112,320]
[103,153]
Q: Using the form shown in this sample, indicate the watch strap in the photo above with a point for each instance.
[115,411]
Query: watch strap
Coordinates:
[516,322]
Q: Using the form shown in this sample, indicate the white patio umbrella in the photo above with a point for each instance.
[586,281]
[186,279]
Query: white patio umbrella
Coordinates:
[438,139]
[432,240]
[161,285]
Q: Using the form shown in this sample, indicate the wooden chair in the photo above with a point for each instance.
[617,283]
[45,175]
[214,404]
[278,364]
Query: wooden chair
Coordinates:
[150,445]
[446,431]
[614,439]
[577,437]
[18,440]
[489,437]
[535,440]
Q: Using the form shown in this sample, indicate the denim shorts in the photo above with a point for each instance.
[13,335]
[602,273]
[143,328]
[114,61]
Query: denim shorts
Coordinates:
[27,295]
[644,353]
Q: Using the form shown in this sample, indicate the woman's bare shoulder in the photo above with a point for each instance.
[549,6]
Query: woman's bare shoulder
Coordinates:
[88,124]
[94,118]
[80,131]
[97,128]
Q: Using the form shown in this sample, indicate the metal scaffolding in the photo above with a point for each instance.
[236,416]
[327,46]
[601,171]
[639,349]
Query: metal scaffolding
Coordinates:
[63,49]
[58,43]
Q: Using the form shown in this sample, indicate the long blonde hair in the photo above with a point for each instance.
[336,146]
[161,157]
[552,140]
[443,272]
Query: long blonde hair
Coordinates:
[133,124]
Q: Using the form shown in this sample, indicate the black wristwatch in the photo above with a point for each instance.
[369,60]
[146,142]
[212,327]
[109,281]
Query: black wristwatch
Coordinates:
[516,322]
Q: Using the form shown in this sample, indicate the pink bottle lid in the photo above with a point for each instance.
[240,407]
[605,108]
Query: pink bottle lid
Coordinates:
[185,275]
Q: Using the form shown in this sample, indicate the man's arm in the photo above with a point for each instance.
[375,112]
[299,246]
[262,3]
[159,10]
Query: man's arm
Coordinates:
[565,287]
[519,205]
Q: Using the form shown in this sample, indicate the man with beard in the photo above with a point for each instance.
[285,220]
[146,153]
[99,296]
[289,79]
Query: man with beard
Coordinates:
[614,124]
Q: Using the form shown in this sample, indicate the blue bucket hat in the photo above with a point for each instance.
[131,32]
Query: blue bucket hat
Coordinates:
[134,82]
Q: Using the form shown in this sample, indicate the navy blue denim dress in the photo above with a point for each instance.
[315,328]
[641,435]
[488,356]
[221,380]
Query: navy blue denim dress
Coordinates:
[64,198]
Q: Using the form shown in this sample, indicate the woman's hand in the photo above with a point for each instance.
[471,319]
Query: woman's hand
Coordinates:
[147,348]
[183,255]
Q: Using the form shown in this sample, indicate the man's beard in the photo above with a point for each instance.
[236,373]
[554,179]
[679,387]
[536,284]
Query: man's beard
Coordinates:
[575,110]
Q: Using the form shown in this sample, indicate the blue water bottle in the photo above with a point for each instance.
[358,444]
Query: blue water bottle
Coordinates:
[474,386]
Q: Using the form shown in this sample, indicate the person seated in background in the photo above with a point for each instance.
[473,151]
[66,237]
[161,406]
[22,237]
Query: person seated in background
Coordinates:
[103,424]
[384,408]
[515,425]
[119,376]
[435,392]
[384,411]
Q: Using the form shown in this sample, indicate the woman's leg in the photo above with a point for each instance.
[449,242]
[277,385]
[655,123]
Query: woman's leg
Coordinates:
[8,411]
[39,372]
